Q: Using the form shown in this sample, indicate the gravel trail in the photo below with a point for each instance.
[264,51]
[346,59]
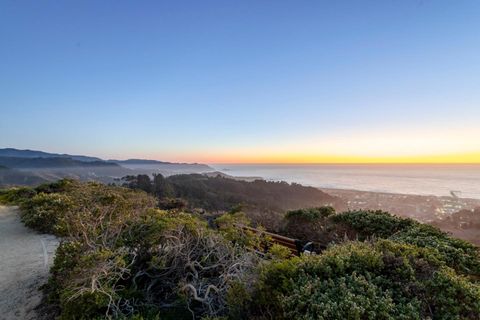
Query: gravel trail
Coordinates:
[25,258]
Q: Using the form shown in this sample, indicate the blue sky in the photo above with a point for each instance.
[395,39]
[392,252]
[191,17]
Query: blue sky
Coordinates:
[253,81]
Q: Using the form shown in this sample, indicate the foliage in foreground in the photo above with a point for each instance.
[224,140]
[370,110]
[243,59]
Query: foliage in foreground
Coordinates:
[328,228]
[355,280]
[122,258]
[458,254]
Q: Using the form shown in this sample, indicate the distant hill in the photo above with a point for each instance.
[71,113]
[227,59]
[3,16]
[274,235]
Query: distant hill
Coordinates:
[11,152]
[165,168]
[30,167]
[264,202]
[139,161]
[50,162]
[220,193]
[145,165]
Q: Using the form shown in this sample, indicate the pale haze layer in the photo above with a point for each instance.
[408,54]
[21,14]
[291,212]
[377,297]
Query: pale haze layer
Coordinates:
[243,81]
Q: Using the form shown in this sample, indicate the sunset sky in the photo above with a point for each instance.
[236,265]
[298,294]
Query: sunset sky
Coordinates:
[243,81]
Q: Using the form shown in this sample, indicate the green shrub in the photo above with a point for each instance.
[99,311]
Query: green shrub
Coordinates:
[273,281]
[457,254]
[92,288]
[154,263]
[453,296]
[277,251]
[311,213]
[62,185]
[44,211]
[373,223]
[382,280]
[312,225]
[230,226]
[351,296]
[188,264]
[15,196]
[66,258]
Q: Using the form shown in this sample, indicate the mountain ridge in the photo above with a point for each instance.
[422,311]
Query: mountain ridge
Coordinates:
[28,167]
[28,153]
[50,162]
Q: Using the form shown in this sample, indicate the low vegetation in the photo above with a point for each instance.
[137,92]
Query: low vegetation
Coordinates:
[123,257]
[365,280]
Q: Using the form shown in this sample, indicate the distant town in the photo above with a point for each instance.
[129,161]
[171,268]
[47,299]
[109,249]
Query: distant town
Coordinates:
[422,208]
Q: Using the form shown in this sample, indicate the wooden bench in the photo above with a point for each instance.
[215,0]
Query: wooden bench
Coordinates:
[294,245]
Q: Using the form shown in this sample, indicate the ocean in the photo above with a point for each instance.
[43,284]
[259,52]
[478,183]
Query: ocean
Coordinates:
[437,180]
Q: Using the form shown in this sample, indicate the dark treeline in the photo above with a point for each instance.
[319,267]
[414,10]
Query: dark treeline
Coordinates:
[222,194]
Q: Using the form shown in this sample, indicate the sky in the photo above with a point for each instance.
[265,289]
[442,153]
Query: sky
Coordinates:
[243,81]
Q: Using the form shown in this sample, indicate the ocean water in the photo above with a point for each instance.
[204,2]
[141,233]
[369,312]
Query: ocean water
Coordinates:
[438,180]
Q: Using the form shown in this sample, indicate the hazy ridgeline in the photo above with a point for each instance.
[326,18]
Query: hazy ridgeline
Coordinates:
[28,168]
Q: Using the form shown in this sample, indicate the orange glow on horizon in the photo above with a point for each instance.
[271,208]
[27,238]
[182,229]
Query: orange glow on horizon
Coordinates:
[299,158]
[425,144]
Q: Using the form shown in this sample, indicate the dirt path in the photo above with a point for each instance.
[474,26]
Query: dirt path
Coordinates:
[25,257]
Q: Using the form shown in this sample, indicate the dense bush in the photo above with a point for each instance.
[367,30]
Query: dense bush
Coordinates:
[44,211]
[57,186]
[381,280]
[230,226]
[122,258]
[311,213]
[81,210]
[312,225]
[373,223]
[159,263]
[457,254]
[15,196]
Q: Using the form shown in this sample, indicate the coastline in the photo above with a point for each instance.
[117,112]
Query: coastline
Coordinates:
[422,207]
[438,180]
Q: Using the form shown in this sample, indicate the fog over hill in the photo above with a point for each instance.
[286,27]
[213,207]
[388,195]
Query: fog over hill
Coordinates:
[12,177]
[53,162]
[162,165]
[30,167]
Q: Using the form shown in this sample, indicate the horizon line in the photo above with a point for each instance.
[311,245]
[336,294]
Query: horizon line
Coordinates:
[342,163]
[475,160]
